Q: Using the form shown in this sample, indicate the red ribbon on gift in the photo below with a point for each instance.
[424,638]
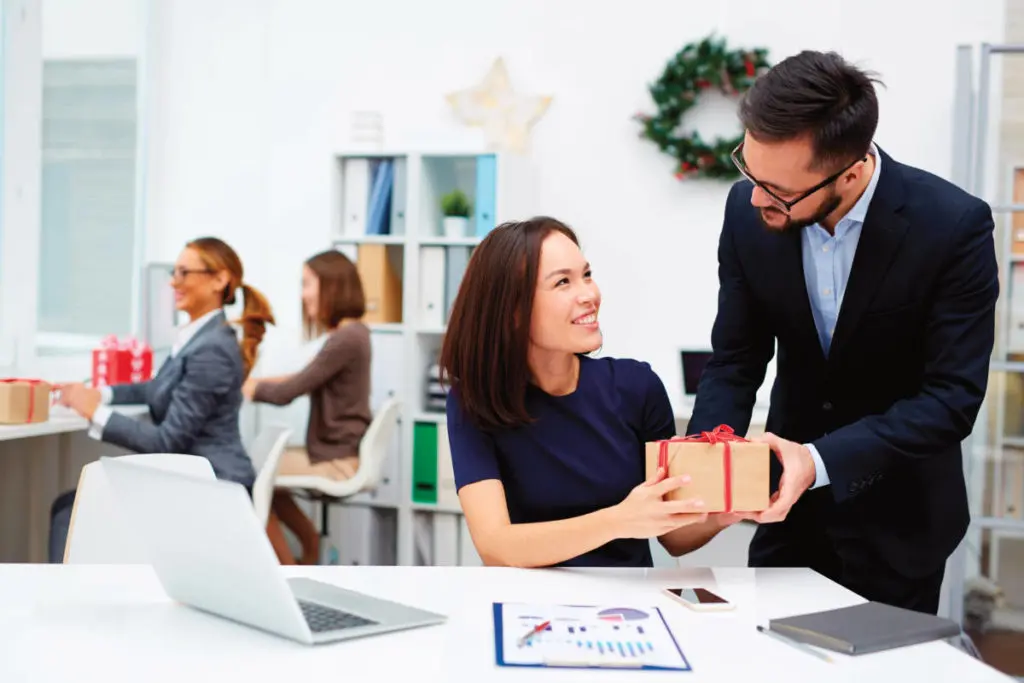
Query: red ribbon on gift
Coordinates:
[722,434]
[31,393]
[112,343]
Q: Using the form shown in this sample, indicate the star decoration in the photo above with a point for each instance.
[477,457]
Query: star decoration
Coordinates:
[505,116]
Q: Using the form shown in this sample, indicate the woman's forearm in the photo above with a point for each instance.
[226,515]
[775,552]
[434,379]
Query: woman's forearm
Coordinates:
[689,538]
[542,544]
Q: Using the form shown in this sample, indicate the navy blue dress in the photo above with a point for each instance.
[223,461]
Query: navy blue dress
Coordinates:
[583,452]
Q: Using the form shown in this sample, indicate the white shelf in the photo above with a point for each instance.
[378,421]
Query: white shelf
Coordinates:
[369,239]
[387,328]
[449,241]
[428,507]
[499,188]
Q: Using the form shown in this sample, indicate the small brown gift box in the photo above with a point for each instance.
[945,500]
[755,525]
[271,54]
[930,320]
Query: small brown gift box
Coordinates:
[727,472]
[24,401]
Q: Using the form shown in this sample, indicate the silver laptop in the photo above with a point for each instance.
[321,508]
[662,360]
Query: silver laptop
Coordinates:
[211,553]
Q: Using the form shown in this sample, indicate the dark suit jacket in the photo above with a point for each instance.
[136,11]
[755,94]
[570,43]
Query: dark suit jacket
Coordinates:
[194,402]
[908,364]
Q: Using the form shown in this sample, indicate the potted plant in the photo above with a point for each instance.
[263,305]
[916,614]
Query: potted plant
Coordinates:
[456,210]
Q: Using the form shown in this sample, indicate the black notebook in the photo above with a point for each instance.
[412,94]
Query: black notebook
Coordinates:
[869,627]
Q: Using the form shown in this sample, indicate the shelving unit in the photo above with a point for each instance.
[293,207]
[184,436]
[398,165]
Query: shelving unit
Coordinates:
[995,450]
[410,286]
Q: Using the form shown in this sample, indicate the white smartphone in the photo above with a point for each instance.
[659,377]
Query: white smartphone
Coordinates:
[699,599]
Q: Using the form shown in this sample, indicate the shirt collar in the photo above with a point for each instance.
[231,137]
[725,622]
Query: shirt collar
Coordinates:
[860,209]
[186,332]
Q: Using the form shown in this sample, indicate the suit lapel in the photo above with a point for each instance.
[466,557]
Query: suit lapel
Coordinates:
[791,268]
[206,327]
[881,236]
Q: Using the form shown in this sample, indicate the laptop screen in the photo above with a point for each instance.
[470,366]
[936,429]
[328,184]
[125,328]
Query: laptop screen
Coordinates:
[693,366]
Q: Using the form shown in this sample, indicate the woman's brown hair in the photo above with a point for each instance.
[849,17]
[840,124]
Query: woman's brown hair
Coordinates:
[341,292]
[484,353]
[256,313]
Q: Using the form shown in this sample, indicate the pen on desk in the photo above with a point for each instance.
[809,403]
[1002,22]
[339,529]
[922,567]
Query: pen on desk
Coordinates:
[789,641]
[533,631]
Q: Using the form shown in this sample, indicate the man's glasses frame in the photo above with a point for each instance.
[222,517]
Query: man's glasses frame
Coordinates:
[787,204]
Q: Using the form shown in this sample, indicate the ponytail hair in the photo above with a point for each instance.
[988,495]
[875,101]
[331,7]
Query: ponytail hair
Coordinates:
[256,315]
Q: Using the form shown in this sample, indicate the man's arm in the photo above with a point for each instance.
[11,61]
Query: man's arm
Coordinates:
[741,340]
[957,348]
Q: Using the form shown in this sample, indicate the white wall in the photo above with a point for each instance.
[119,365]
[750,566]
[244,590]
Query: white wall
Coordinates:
[74,29]
[251,97]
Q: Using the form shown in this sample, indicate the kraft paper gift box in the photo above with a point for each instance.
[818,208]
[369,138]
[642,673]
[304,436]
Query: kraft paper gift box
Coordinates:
[24,401]
[727,472]
[121,361]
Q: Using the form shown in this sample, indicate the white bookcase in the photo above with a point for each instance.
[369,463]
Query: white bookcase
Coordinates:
[407,334]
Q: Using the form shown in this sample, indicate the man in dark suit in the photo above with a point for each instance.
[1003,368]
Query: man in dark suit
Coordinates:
[878,282]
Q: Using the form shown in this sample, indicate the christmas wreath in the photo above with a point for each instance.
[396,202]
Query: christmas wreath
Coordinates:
[694,69]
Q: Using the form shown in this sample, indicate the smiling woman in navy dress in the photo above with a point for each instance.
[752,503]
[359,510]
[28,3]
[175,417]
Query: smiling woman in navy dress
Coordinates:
[547,443]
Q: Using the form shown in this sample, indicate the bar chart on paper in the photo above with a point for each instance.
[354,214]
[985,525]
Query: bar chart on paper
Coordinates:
[585,636]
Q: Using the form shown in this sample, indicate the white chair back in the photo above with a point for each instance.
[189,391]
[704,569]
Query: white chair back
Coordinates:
[98,533]
[373,448]
[265,452]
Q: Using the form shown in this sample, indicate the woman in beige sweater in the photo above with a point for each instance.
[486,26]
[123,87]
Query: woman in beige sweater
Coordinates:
[337,381]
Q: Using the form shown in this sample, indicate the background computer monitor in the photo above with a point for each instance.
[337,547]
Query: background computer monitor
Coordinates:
[693,366]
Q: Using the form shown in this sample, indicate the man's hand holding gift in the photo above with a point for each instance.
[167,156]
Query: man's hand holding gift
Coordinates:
[798,474]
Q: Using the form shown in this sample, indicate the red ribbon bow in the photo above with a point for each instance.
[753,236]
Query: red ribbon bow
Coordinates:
[112,343]
[31,393]
[722,434]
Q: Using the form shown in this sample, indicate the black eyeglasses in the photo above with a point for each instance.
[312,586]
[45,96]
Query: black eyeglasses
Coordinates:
[787,204]
[181,273]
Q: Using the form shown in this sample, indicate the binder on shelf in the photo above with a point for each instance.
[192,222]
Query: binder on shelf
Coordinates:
[424,463]
[398,192]
[486,179]
[378,221]
[1016,327]
[431,289]
[446,495]
[456,260]
[356,190]
[382,284]
[435,395]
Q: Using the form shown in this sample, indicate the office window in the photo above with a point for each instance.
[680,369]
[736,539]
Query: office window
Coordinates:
[88,190]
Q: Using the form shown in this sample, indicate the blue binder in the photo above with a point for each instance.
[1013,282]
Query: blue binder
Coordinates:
[486,189]
[625,662]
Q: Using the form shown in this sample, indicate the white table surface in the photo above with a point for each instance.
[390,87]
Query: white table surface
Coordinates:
[113,624]
[62,420]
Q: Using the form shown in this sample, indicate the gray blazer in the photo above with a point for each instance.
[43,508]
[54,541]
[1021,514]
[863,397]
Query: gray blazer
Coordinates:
[194,402]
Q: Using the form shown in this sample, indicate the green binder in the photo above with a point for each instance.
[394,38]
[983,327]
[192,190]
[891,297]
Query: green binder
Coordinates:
[424,463]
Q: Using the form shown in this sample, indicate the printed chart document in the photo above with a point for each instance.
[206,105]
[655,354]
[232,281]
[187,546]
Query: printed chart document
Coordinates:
[585,637]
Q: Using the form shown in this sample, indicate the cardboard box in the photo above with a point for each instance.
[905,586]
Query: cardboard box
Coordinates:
[729,476]
[124,361]
[24,401]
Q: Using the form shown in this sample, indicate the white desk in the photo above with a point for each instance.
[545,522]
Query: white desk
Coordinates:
[37,462]
[67,622]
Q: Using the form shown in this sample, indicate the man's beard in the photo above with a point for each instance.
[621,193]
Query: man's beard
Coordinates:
[791,224]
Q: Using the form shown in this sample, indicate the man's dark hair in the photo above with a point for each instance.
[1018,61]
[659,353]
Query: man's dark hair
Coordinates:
[817,94]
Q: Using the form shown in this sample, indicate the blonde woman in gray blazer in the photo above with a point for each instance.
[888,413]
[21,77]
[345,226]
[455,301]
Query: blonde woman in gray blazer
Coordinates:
[195,398]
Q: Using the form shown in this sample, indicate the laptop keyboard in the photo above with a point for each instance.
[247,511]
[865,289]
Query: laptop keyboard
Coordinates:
[321,619]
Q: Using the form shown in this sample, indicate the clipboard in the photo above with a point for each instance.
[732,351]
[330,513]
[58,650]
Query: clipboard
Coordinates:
[586,637]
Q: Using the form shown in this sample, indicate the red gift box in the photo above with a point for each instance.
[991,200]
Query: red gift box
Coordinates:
[121,361]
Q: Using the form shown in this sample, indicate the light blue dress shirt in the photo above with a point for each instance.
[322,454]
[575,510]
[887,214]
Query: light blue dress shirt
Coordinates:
[827,261]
